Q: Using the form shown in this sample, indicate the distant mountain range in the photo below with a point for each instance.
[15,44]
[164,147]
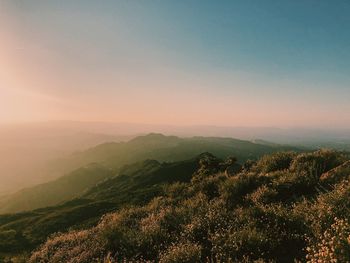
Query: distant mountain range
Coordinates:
[28,150]
[84,169]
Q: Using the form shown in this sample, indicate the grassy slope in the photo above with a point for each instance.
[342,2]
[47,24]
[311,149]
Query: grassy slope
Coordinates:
[270,212]
[112,156]
[137,184]
[54,192]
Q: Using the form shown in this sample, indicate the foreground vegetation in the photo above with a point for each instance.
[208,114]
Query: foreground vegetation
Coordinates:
[286,207]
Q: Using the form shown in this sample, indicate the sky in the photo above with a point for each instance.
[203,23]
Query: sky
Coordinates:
[182,62]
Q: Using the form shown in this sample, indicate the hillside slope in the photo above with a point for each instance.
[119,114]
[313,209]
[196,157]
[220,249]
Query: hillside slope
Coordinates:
[59,190]
[136,185]
[287,207]
[108,158]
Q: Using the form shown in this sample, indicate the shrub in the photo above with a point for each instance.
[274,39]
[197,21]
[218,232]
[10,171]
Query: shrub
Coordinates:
[209,185]
[333,245]
[316,163]
[176,190]
[184,252]
[291,186]
[319,214]
[208,165]
[275,162]
[233,245]
[131,233]
[75,246]
[263,195]
[234,189]
[248,165]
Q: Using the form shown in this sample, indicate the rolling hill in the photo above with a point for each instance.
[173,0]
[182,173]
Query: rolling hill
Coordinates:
[168,148]
[136,184]
[54,192]
[108,158]
[277,209]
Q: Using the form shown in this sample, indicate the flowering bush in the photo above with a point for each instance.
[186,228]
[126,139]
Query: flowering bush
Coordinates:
[333,245]
[75,246]
[183,252]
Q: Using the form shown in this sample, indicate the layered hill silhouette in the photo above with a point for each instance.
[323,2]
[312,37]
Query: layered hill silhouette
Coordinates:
[84,169]
[54,192]
[168,148]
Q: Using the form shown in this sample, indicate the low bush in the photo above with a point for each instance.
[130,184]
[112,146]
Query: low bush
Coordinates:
[333,245]
[275,162]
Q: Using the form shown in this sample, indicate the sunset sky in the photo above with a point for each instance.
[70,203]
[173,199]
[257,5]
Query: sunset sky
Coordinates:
[233,63]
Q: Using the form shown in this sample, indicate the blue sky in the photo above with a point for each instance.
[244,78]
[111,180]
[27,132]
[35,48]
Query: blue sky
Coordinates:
[238,63]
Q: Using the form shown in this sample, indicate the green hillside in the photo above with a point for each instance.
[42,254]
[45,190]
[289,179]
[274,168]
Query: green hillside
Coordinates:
[286,206]
[137,184]
[108,158]
[59,190]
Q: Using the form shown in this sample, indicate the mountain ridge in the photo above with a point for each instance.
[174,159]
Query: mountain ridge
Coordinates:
[112,156]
